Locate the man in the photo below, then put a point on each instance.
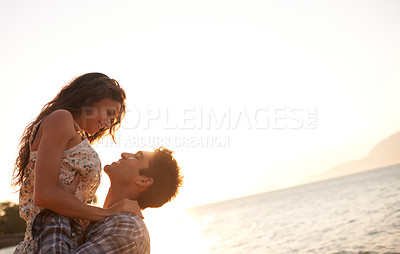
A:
(151, 178)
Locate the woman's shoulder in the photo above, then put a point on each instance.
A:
(63, 113)
(55, 129)
(59, 119)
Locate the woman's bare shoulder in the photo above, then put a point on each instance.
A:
(59, 120)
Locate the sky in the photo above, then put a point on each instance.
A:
(252, 96)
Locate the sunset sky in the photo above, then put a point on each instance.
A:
(251, 95)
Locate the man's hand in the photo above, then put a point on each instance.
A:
(72, 187)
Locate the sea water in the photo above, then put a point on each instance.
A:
(358, 213)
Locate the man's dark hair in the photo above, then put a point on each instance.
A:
(167, 179)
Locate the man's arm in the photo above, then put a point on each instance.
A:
(120, 233)
(53, 233)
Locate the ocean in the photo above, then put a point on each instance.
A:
(358, 213)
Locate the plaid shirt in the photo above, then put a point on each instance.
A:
(120, 233)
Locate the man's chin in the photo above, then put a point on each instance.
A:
(107, 168)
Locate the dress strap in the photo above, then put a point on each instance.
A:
(34, 133)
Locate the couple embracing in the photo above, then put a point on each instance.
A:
(58, 173)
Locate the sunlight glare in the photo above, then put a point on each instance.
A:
(173, 230)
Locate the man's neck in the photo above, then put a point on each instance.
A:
(114, 195)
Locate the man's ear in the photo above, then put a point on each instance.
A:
(144, 181)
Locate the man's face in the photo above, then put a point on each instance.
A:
(126, 170)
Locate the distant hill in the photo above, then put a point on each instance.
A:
(385, 153)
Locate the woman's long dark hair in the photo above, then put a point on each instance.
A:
(81, 92)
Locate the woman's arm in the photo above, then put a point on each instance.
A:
(57, 130)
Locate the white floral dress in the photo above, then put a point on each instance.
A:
(81, 159)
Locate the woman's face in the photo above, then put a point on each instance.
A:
(100, 115)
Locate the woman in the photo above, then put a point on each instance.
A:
(55, 151)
